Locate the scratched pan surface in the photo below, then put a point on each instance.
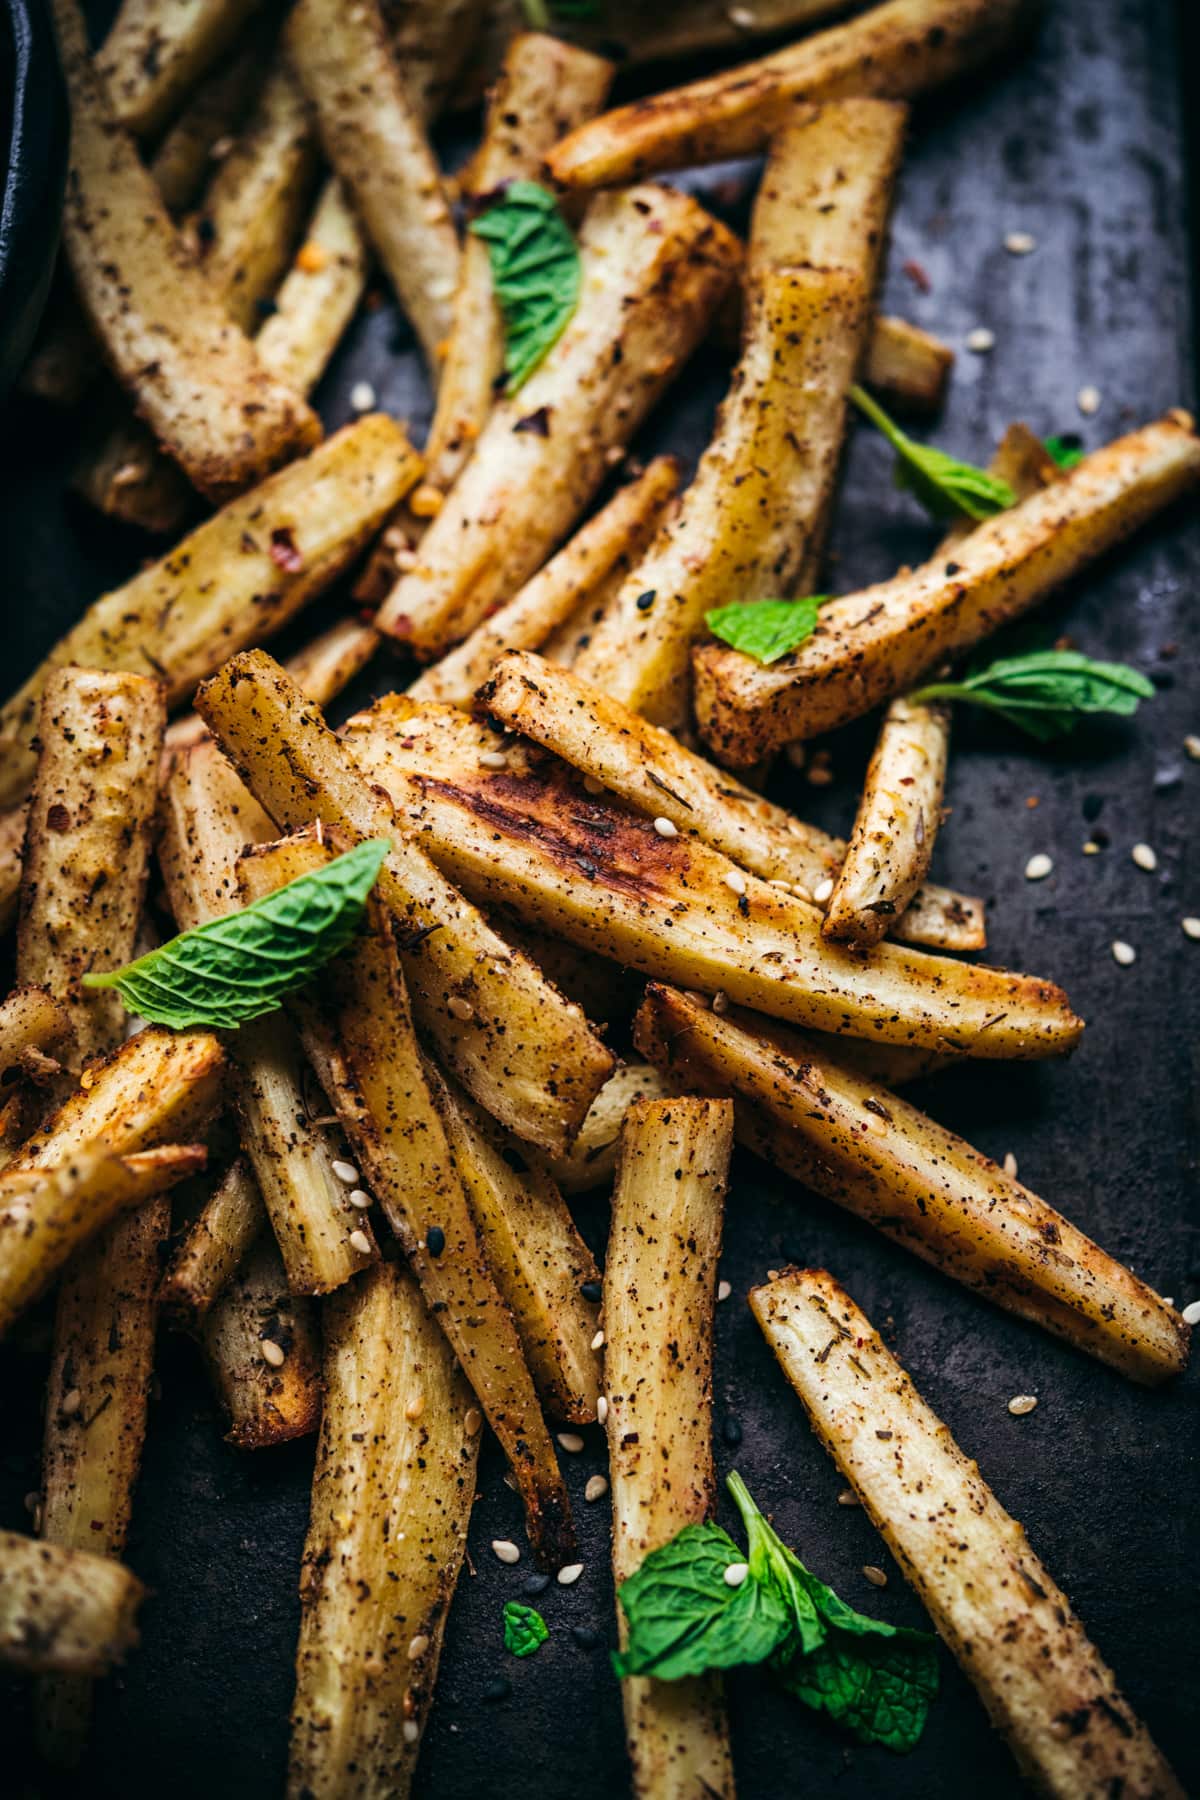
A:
(1081, 144)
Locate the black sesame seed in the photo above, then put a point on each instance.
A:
(435, 1240)
(731, 1431)
(645, 601)
(591, 1290)
(499, 1689)
(586, 1636)
(535, 1584)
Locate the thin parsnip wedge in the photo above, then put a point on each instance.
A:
(897, 50)
(358, 1032)
(377, 145)
(431, 40)
(192, 375)
(578, 579)
(237, 578)
(213, 113)
(908, 366)
(654, 265)
(391, 1501)
(32, 1020)
(592, 1159)
(864, 1148)
(156, 51)
(659, 1288)
(218, 1239)
(319, 295)
(648, 768)
(263, 1351)
(529, 838)
(877, 643)
(526, 1054)
(994, 1603)
(326, 665)
(62, 1610)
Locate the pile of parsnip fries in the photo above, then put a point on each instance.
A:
(379, 1249)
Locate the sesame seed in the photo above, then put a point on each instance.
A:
(1038, 867)
(1020, 1404)
(472, 1421)
(772, 1274)
(533, 1585)
(272, 1353)
(1123, 953)
(345, 1172)
(1191, 1313)
(571, 1442)
(1144, 857)
(666, 827)
(596, 1488)
(823, 890)
(981, 340)
(724, 1289)
(1191, 928)
(460, 1008)
(592, 1290)
(1088, 400)
(598, 1341)
(73, 1400)
(736, 880)
(1091, 848)
(736, 1573)
(417, 1646)
(415, 1407)
(505, 1550)
(1010, 1163)
(497, 1689)
(848, 1497)
(875, 1576)
(570, 1574)
(362, 397)
(435, 1240)
(361, 1242)
(426, 501)
(741, 16)
(601, 1410)
(360, 1198)
(1191, 744)
(412, 1731)
(720, 1002)
(493, 759)
(592, 786)
(587, 1637)
(1020, 243)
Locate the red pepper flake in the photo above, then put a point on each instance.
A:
(284, 551)
(57, 817)
(918, 275)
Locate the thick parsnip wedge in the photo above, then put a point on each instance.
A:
(897, 50)
(63, 1611)
(580, 577)
(592, 1159)
(216, 1242)
(263, 1351)
(877, 643)
(908, 366)
(659, 1288)
(377, 145)
(431, 40)
(534, 841)
(212, 114)
(237, 578)
(32, 1021)
(319, 295)
(364, 1050)
(751, 523)
(525, 1053)
(994, 1603)
(88, 842)
(648, 768)
(47, 1214)
(156, 51)
(539, 1260)
(391, 1501)
(864, 1148)
(654, 266)
(193, 376)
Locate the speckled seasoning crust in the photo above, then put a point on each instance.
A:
(263, 1349)
(63, 1611)
(207, 1256)
(154, 52)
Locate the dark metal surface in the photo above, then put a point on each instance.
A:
(1079, 144)
(33, 126)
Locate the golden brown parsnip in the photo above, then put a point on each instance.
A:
(591, 1161)
(213, 113)
(263, 1351)
(871, 1152)
(908, 366)
(431, 40)
(32, 1020)
(156, 51)
(331, 660)
(319, 295)
(216, 1242)
(659, 1289)
(62, 1610)
(994, 1603)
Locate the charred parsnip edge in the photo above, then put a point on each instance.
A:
(263, 1350)
(64, 1611)
(214, 1244)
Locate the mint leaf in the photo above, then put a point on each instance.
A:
(944, 486)
(766, 629)
(1047, 692)
(535, 273)
(1065, 451)
(525, 1629)
(240, 966)
(685, 1618)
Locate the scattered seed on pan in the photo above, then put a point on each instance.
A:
(1088, 400)
(591, 1290)
(569, 1574)
(598, 1341)
(535, 1585)
(1191, 1313)
(1123, 953)
(1010, 1163)
(361, 1242)
(506, 1550)
(731, 1431)
(497, 1689)
(1091, 848)
(362, 397)
(736, 1573)
(1191, 744)
(666, 828)
(360, 1198)
(736, 880)
(1020, 243)
(1038, 867)
(823, 890)
(724, 1289)
(346, 1171)
(847, 1497)
(1191, 927)
(272, 1353)
(571, 1442)
(596, 1488)
(875, 1576)
(601, 1409)
(981, 340)
(460, 1008)
(1020, 1404)
(587, 1637)
(435, 1240)
(1144, 857)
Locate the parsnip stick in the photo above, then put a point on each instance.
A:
(897, 50)
(996, 1605)
(217, 1241)
(601, 550)
(329, 663)
(32, 1020)
(212, 114)
(651, 770)
(659, 1288)
(193, 376)
(392, 1494)
(592, 1159)
(908, 366)
(873, 1153)
(238, 577)
(877, 643)
(376, 144)
(319, 296)
(431, 40)
(63, 1610)
(519, 1048)
(654, 266)
(156, 50)
(534, 841)
(263, 1351)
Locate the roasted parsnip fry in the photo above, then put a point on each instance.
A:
(377, 145)
(217, 1241)
(364, 1050)
(32, 1020)
(522, 1051)
(654, 266)
(193, 376)
(63, 1610)
(263, 1351)
(636, 35)
(537, 1257)
(897, 50)
(431, 40)
(600, 552)
(649, 768)
(592, 1159)
(391, 1501)
(876, 1155)
(46, 1214)
(908, 366)
(211, 115)
(535, 842)
(156, 50)
(88, 842)
(318, 298)
(659, 1288)
(877, 643)
(322, 668)
(996, 1605)
(238, 577)
(12, 843)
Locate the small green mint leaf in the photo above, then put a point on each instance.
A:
(535, 273)
(946, 487)
(525, 1630)
(880, 1688)
(1065, 451)
(766, 629)
(1046, 692)
(683, 1616)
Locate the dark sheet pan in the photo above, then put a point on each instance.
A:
(1081, 144)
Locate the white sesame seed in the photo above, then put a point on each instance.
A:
(848, 1497)
(505, 1550)
(569, 1574)
(666, 828)
(345, 1172)
(596, 1488)
(73, 1400)
(772, 1274)
(1038, 867)
(359, 1197)
(736, 880)
(272, 1353)
(601, 1409)
(598, 1341)
(417, 1646)
(981, 340)
(736, 1573)
(493, 759)
(1123, 953)
(1191, 744)
(1010, 1163)
(415, 1407)
(362, 397)
(472, 1421)
(741, 16)
(875, 1576)
(460, 1008)
(724, 1289)
(823, 890)
(1145, 858)
(1191, 927)
(1091, 848)
(571, 1442)
(361, 1242)
(720, 1002)
(1020, 1404)
(1088, 401)
(592, 786)
(412, 1731)
(1191, 1313)
(1020, 243)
